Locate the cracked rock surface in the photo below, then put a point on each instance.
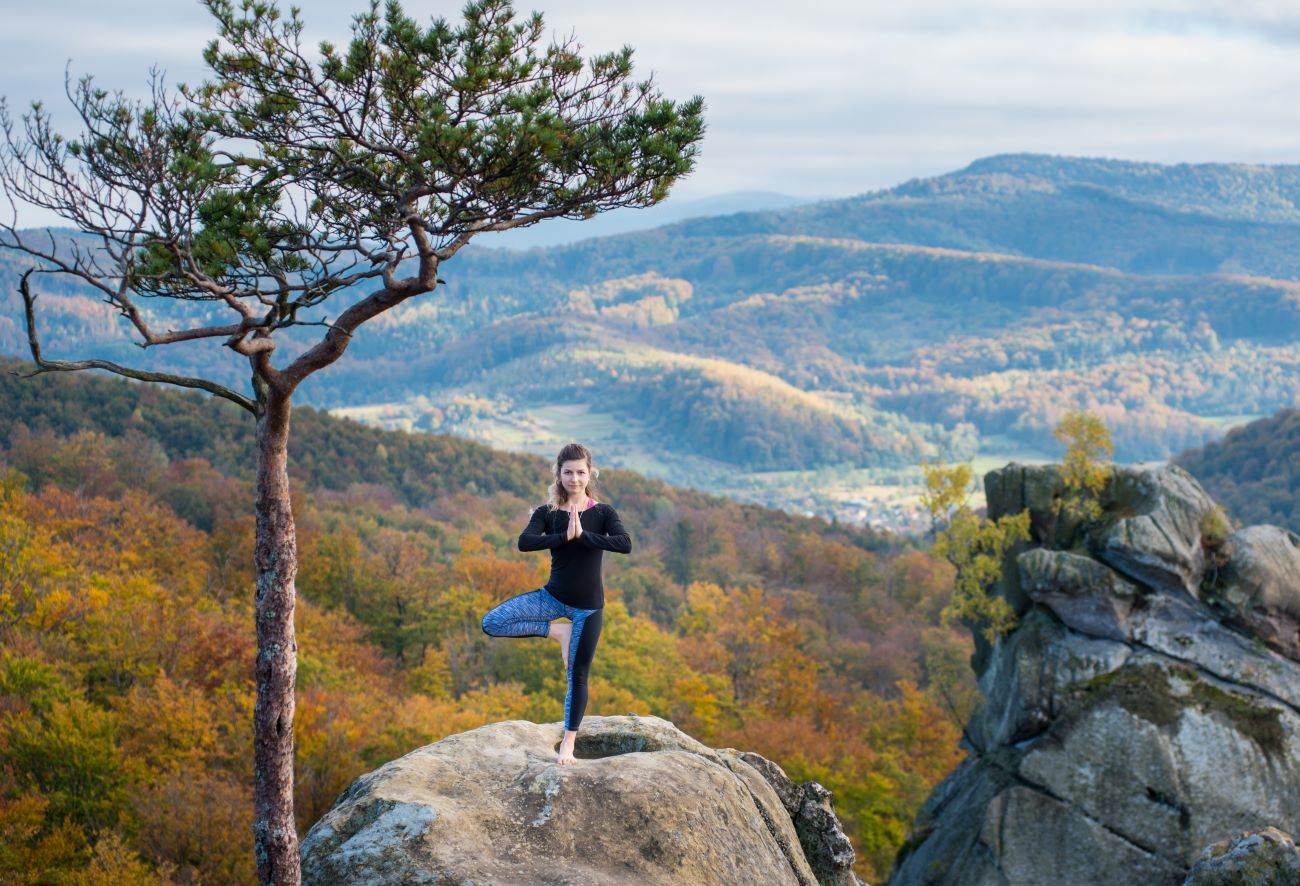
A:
(645, 804)
(1146, 705)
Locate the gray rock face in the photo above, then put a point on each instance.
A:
(1151, 530)
(1012, 489)
(1266, 858)
(1083, 593)
(1028, 684)
(1260, 587)
(1124, 725)
(1160, 544)
(824, 843)
(645, 803)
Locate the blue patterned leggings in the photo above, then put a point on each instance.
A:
(530, 615)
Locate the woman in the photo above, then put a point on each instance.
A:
(577, 530)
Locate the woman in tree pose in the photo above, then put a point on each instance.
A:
(577, 530)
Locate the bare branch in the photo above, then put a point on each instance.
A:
(43, 365)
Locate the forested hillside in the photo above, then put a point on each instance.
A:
(126, 629)
(1254, 471)
(950, 317)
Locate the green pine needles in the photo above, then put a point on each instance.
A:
(294, 172)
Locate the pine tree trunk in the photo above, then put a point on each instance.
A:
(276, 557)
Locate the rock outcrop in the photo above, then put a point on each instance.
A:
(1268, 858)
(1147, 703)
(1259, 590)
(644, 804)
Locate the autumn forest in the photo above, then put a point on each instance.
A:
(125, 684)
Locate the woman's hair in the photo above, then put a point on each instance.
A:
(557, 496)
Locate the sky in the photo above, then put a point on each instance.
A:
(828, 98)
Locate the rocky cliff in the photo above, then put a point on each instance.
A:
(645, 804)
(1146, 706)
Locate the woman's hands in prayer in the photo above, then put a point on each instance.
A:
(575, 523)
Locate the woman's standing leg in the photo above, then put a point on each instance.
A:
(582, 648)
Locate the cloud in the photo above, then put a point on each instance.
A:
(830, 97)
(1277, 22)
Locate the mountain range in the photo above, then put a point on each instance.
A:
(811, 356)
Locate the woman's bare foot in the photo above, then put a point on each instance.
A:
(562, 631)
(566, 749)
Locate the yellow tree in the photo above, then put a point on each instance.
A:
(743, 633)
(974, 546)
(1085, 469)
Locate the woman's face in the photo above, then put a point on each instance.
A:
(574, 476)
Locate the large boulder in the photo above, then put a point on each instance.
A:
(1136, 773)
(1259, 589)
(824, 843)
(1007, 492)
(1150, 531)
(1124, 725)
(1036, 488)
(645, 803)
(1084, 594)
(1155, 536)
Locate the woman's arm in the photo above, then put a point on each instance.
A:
(535, 537)
(615, 537)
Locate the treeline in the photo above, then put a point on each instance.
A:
(325, 452)
(1254, 471)
(126, 683)
(1154, 403)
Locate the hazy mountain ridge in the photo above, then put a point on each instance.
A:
(930, 334)
(1250, 192)
(1201, 218)
(557, 232)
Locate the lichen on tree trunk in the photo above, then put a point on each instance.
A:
(276, 558)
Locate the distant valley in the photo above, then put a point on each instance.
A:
(811, 357)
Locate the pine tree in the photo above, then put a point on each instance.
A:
(286, 184)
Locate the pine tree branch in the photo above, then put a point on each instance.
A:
(43, 365)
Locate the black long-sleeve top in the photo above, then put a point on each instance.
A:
(576, 565)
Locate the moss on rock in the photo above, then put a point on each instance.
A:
(1262, 725)
(1145, 691)
(1142, 690)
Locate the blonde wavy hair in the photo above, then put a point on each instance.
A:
(556, 495)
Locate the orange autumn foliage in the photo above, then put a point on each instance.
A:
(127, 629)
